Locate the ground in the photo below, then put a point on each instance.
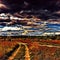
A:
(30, 49)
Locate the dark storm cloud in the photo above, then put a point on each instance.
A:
(25, 4)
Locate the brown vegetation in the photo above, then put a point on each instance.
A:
(38, 48)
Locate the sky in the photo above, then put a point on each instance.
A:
(27, 4)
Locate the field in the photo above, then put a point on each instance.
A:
(29, 49)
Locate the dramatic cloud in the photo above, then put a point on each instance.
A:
(21, 4)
